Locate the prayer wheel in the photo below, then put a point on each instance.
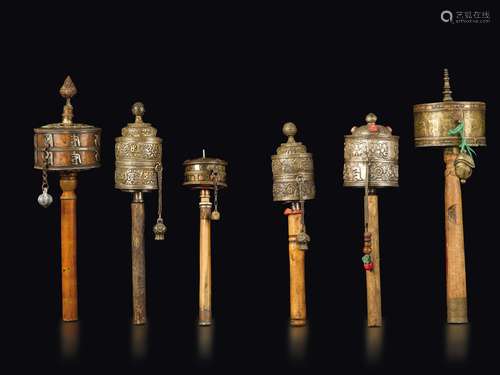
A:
(293, 184)
(206, 174)
(68, 148)
(455, 126)
(139, 169)
(370, 162)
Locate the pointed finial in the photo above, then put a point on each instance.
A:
(447, 88)
(289, 129)
(67, 91)
(138, 111)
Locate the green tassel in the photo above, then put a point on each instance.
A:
(464, 147)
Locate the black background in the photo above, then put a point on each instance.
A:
(226, 79)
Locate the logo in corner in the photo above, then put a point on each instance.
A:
(447, 16)
(456, 17)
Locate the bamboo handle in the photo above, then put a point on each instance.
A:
(456, 289)
(205, 303)
(373, 294)
(138, 261)
(297, 274)
(68, 183)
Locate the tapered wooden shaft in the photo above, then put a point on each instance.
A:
(297, 276)
(205, 303)
(373, 295)
(456, 289)
(68, 183)
(138, 261)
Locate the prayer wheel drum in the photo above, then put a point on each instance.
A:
(292, 164)
(69, 148)
(433, 121)
(138, 155)
(205, 173)
(374, 144)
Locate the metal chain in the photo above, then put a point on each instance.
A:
(302, 237)
(302, 205)
(159, 229)
(45, 162)
(216, 190)
(45, 199)
(215, 215)
(159, 174)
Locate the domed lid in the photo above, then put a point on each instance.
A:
(371, 129)
(138, 128)
(67, 91)
(291, 146)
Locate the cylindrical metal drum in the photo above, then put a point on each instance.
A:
(433, 121)
(138, 155)
(205, 173)
(374, 147)
(293, 170)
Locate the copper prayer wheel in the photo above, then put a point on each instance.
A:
(68, 148)
(456, 126)
(371, 161)
(293, 184)
(138, 154)
(206, 174)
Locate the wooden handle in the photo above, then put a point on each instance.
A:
(138, 261)
(373, 294)
(68, 183)
(456, 289)
(297, 273)
(205, 303)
